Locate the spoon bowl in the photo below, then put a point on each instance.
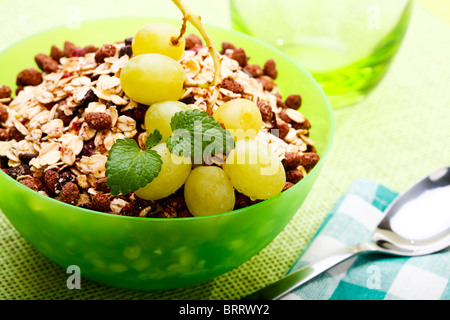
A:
(416, 223)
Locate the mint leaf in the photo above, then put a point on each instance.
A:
(153, 139)
(129, 168)
(197, 134)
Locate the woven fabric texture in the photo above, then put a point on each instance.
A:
(374, 276)
(396, 136)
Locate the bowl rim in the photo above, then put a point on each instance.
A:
(329, 112)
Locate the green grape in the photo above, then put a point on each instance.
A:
(255, 170)
(159, 115)
(208, 191)
(151, 78)
(241, 117)
(173, 174)
(157, 38)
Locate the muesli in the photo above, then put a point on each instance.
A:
(57, 132)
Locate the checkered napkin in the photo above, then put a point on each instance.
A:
(370, 276)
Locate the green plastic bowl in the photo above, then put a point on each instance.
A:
(142, 253)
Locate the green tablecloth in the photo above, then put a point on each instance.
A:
(397, 135)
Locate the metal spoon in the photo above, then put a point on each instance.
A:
(416, 223)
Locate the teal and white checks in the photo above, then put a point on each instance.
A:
(372, 276)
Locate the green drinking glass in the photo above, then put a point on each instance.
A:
(347, 45)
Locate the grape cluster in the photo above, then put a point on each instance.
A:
(153, 74)
(154, 77)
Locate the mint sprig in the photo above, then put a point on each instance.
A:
(129, 168)
(153, 139)
(196, 134)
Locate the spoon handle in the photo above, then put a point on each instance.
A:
(286, 284)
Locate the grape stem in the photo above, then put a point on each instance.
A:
(175, 40)
(195, 20)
